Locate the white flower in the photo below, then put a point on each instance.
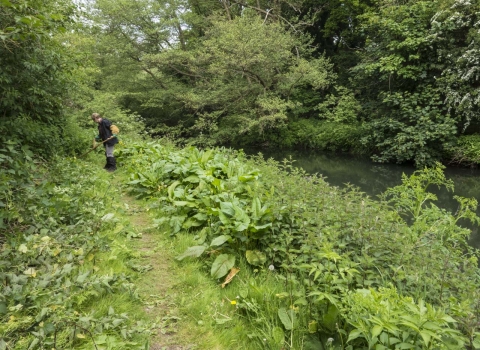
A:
(329, 340)
(271, 267)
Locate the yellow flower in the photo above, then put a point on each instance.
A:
(233, 302)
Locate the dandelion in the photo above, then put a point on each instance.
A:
(271, 267)
(233, 302)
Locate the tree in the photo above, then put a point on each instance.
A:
(242, 74)
(397, 74)
(36, 72)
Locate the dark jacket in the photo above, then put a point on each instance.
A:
(105, 132)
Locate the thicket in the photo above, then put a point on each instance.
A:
(59, 240)
(260, 72)
(353, 273)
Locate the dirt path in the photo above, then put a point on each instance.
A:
(156, 286)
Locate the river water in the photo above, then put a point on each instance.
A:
(374, 178)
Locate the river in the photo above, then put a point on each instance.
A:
(374, 178)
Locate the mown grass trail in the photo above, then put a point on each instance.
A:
(170, 293)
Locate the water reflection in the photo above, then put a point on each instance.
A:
(373, 178)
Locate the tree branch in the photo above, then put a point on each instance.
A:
(269, 12)
(184, 73)
(224, 2)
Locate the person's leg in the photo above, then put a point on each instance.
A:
(111, 162)
(107, 164)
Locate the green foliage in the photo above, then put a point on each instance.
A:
(467, 150)
(52, 227)
(241, 75)
(388, 321)
(33, 70)
(455, 31)
(325, 246)
(418, 130)
(400, 76)
(131, 125)
(36, 77)
(340, 108)
(312, 134)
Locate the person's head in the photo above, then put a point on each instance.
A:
(96, 118)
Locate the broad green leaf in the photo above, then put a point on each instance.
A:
(426, 337)
(192, 179)
(330, 318)
(176, 222)
(225, 219)
(171, 189)
(255, 257)
(256, 208)
(227, 208)
(107, 217)
(354, 335)
(217, 241)
(384, 338)
(261, 227)
(278, 335)
(191, 222)
(376, 330)
(206, 156)
(393, 341)
(222, 264)
(185, 204)
(81, 278)
(246, 178)
(287, 318)
(194, 251)
(449, 319)
(217, 183)
(201, 217)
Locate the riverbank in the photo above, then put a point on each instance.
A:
(331, 254)
(207, 249)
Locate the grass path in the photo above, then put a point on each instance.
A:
(168, 291)
(156, 285)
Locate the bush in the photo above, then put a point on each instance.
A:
(313, 134)
(467, 150)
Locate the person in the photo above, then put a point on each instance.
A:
(105, 134)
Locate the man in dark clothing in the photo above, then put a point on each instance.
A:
(105, 133)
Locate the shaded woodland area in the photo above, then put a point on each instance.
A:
(397, 80)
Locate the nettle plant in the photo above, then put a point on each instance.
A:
(335, 251)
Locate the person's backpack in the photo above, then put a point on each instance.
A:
(114, 129)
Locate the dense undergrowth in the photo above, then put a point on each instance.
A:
(344, 271)
(62, 260)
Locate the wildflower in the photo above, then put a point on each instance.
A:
(233, 302)
(271, 267)
(329, 340)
